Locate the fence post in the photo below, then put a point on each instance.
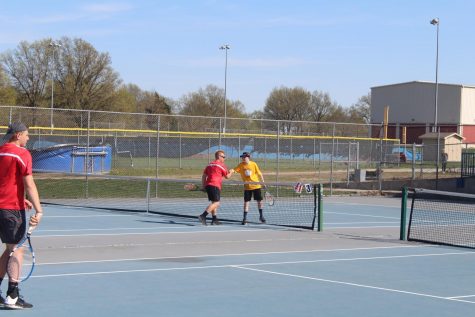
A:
(331, 160)
(357, 155)
(413, 161)
(437, 155)
(87, 152)
(265, 151)
(278, 153)
(157, 152)
(320, 208)
(402, 232)
(179, 165)
(314, 149)
(348, 165)
(219, 133)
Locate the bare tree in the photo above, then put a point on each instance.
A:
(85, 76)
(27, 67)
(210, 102)
(321, 106)
(7, 91)
(362, 109)
(288, 104)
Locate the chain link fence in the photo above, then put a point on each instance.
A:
(174, 146)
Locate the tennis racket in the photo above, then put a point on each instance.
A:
(22, 273)
(269, 198)
(192, 187)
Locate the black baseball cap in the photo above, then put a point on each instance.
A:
(14, 127)
(245, 154)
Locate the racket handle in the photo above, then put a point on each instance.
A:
(30, 229)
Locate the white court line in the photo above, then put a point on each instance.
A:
(356, 222)
(365, 227)
(462, 296)
(359, 204)
(180, 227)
(244, 266)
(144, 233)
(87, 216)
(105, 229)
(353, 214)
(239, 254)
(354, 284)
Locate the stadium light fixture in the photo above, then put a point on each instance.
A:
(435, 22)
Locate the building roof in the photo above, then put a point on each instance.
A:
(424, 82)
(443, 135)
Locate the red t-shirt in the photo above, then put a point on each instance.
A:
(15, 163)
(215, 172)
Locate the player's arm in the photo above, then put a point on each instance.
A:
(229, 174)
(261, 176)
(34, 199)
(203, 180)
(234, 170)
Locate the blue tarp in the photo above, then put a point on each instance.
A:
(73, 158)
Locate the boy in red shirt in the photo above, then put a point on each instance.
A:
(211, 181)
(15, 177)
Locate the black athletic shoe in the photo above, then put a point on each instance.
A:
(2, 300)
(215, 222)
(244, 222)
(16, 303)
(202, 219)
(262, 220)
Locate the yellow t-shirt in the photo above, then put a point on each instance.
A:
(250, 172)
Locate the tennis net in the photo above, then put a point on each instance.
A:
(169, 197)
(442, 218)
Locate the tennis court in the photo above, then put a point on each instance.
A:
(102, 263)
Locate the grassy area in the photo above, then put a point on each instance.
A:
(78, 188)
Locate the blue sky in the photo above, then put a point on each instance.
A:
(341, 47)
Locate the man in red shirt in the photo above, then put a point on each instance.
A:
(15, 177)
(212, 180)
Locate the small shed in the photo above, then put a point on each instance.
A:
(449, 142)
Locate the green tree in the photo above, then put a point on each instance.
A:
(124, 101)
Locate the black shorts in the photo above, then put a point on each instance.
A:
(214, 193)
(255, 192)
(12, 225)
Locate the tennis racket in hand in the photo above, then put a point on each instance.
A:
(20, 268)
(269, 198)
(192, 187)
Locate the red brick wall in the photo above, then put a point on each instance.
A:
(413, 131)
(469, 133)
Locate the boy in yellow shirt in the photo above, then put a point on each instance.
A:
(250, 172)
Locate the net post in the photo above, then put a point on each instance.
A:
(402, 232)
(148, 195)
(320, 207)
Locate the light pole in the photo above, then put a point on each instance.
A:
(53, 45)
(435, 22)
(225, 47)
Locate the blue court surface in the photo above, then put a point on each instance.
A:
(102, 263)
